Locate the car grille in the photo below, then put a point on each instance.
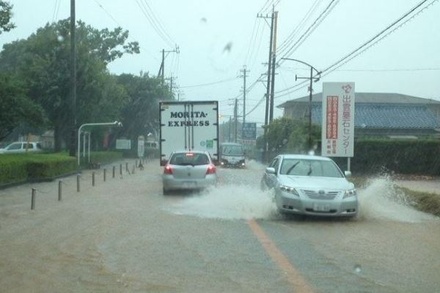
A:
(321, 194)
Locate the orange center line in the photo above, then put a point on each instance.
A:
(292, 274)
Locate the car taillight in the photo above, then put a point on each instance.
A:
(168, 170)
(211, 169)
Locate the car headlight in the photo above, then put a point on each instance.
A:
(350, 192)
(289, 189)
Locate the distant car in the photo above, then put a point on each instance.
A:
(189, 170)
(232, 155)
(21, 147)
(310, 185)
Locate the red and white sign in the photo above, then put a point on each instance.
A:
(338, 119)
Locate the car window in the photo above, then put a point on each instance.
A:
(330, 169)
(275, 164)
(30, 146)
(317, 168)
(194, 159)
(288, 166)
(15, 146)
(176, 159)
(236, 150)
(202, 159)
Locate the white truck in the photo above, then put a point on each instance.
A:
(188, 125)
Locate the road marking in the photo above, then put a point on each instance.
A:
(292, 274)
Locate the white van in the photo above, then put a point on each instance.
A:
(21, 147)
(232, 155)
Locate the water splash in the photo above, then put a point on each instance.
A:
(382, 200)
(228, 202)
(239, 197)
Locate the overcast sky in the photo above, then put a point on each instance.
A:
(217, 38)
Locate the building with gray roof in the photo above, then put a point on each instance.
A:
(378, 114)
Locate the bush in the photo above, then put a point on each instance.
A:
(48, 167)
(20, 168)
(13, 169)
(374, 156)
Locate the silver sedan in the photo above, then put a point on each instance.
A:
(310, 185)
(189, 170)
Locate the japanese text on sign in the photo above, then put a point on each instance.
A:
(338, 119)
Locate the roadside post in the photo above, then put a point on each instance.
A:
(141, 150)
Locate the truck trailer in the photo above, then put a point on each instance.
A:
(188, 125)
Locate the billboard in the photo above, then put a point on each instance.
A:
(249, 131)
(337, 134)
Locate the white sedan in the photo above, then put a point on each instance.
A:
(310, 185)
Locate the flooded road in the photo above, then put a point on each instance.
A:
(123, 235)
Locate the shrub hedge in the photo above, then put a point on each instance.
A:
(13, 169)
(21, 168)
(417, 157)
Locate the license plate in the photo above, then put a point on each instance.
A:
(189, 184)
(321, 207)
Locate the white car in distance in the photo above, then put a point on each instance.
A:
(21, 147)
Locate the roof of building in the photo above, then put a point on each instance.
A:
(382, 115)
(381, 98)
(382, 110)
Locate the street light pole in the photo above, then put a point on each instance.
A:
(92, 124)
(311, 78)
(310, 107)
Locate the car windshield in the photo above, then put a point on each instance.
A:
(234, 150)
(302, 167)
(194, 159)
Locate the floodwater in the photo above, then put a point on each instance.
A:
(123, 235)
(240, 197)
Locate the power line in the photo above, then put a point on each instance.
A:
(56, 10)
(210, 83)
(154, 21)
(365, 46)
(375, 39)
(312, 27)
(392, 70)
(106, 12)
(290, 39)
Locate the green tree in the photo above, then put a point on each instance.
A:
(5, 17)
(43, 62)
(15, 108)
(288, 135)
(140, 115)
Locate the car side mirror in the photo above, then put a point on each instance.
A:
(270, 170)
(347, 173)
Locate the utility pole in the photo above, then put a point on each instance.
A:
(270, 88)
(73, 78)
(245, 71)
(161, 72)
(274, 62)
(235, 120)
